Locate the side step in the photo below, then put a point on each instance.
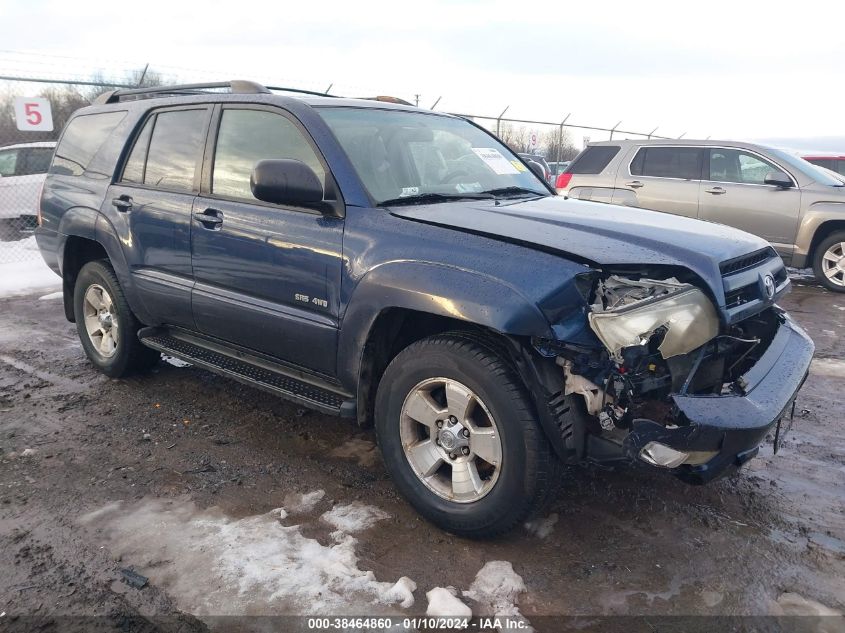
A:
(288, 383)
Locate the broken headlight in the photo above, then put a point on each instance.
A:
(629, 312)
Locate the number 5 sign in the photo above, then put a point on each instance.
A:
(32, 114)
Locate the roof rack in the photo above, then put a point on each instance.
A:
(236, 86)
(239, 86)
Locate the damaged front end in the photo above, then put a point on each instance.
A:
(674, 387)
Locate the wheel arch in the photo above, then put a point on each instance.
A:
(400, 303)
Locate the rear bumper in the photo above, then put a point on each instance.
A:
(733, 426)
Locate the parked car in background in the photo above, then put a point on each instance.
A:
(401, 267)
(798, 207)
(23, 168)
(833, 162)
(557, 168)
(547, 173)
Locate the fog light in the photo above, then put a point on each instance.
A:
(658, 454)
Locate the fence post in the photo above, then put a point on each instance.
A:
(560, 138)
(499, 121)
(613, 129)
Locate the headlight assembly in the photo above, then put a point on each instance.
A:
(629, 312)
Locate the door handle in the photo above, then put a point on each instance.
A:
(122, 203)
(210, 218)
(716, 191)
(634, 184)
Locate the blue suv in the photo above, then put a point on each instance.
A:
(405, 269)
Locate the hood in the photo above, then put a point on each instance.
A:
(598, 234)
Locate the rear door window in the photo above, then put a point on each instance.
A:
(668, 162)
(82, 139)
(174, 151)
(593, 160)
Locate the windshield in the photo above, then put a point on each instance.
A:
(408, 156)
(819, 174)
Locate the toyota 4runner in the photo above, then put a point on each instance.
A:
(405, 269)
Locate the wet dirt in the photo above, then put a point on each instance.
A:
(181, 475)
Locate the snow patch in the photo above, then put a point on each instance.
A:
(443, 602)
(354, 517)
(297, 503)
(542, 528)
(496, 589)
(800, 273)
(832, 367)
(402, 592)
(217, 565)
(793, 604)
(22, 269)
(361, 450)
(52, 295)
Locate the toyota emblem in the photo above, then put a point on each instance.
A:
(769, 286)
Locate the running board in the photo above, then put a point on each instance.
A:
(288, 383)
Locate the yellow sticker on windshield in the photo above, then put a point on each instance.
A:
(518, 165)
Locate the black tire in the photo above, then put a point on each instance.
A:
(129, 354)
(529, 471)
(831, 240)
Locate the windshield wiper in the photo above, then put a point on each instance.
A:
(509, 191)
(423, 198)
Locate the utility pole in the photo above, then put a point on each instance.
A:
(417, 100)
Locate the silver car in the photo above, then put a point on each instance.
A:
(798, 207)
(23, 169)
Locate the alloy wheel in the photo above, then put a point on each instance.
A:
(101, 320)
(450, 440)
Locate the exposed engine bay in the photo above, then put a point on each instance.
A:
(662, 337)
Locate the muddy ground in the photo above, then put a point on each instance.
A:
(179, 475)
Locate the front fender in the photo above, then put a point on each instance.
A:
(811, 221)
(436, 289)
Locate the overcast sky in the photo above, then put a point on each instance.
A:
(742, 70)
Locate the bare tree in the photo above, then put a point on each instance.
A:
(64, 101)
(515, 137)
(558, 147)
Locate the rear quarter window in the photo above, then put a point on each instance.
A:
(82, 139)
(668, 162)
(593, 160)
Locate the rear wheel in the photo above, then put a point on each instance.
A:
(106, 326)
(459, 436)
(829, 262)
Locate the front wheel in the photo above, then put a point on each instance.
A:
(106, 326)
(459, 436)
(829, 262)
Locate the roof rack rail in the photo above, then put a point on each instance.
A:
(236, 86)
(301, 91)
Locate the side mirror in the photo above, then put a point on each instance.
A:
(778, 179)
(285, 181)
(537, 168)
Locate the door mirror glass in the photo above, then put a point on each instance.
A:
(285, 181)
(778, 179)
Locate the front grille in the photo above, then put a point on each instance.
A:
(745, 262)
(742, 278)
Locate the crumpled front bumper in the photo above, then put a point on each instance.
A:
(733, 425)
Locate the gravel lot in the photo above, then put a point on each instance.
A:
(232, 502)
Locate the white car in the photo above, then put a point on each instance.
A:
(23, 168)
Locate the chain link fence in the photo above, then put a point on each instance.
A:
(34, 109)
